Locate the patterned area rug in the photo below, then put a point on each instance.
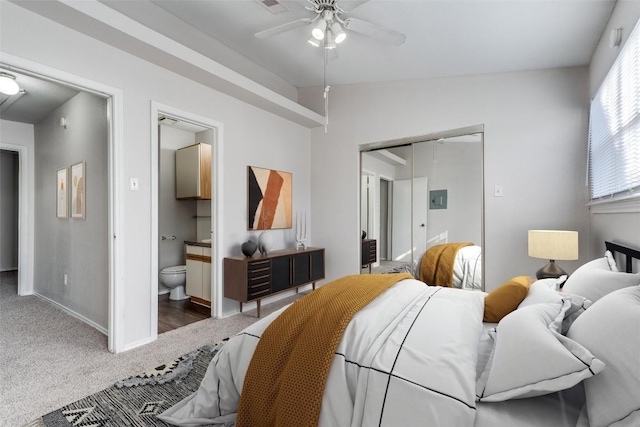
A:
(137, 400)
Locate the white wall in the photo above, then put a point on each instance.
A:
(623, 227)
(535, 133)
(74, 247)
(20, 136)
(251, 137)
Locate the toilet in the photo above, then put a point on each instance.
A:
(174, 278)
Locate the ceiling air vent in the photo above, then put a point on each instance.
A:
(273, 5)
(164, 120)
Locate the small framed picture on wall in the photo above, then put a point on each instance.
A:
(62, 194)
(78, 190)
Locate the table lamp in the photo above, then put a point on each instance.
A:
(553, 245)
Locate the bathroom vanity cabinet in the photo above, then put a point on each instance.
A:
(193, 172)
(199, 274)
(251, 279)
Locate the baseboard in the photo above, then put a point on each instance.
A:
(73, 313)
(136, 344)
(2, 270)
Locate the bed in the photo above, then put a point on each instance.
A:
(524, 354)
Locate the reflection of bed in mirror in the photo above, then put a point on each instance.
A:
(464, 270)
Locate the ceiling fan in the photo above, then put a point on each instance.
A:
(329, 25)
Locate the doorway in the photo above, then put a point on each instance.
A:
(32, 184)
(9, 217)
(185, 225)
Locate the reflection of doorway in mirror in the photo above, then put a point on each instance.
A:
(385, 219)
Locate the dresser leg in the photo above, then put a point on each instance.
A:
(240, 306)
(259, 308)
(313, 286)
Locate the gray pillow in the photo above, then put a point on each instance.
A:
(610, 329)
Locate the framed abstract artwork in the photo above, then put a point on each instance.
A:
(62, 194)
(269, 198)
(78, 191)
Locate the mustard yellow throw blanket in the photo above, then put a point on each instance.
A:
(436, 265)
(287, 374)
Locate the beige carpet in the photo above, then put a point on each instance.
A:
(49, 359)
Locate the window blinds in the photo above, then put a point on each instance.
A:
(614, 127)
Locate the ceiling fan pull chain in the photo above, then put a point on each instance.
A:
(325, 60)
(326, 107)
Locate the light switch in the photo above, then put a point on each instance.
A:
(134, 184)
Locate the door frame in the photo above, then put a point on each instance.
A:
(216, 211)
(26, 236)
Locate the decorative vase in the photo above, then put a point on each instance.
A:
(265, 242)
(249, 248)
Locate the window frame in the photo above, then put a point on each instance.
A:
(626, 200)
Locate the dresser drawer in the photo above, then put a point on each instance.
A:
(258, 291)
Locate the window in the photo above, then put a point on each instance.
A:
(614, 129)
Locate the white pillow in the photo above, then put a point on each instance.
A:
(607, 262)
(593, 284)
(531, 358)
(611, 330)
(540, 292)
(611, 261)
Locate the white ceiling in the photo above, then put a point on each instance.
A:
(39, 98)
(444, 38)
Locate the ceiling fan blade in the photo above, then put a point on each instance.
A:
(375, 31)
(349, 5)
(284, 27)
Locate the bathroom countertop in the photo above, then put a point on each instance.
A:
(194, 243)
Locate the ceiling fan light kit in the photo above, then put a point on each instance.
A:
(330, 18)
(328, 26)
(338, 32)
(313, 41)
(319, 30)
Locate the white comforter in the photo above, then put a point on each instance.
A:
(408, 358)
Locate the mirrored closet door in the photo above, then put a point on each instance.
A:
(421, 192)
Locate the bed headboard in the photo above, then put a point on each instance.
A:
(629, 253)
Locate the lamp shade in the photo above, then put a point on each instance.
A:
(338, 33)
(553, 244)
(319, 29)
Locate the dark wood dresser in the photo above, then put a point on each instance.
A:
(368, 253)
(251, 279)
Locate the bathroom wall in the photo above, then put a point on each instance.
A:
(175, 217)
(8, 210)
(203, 221)
(77, 248)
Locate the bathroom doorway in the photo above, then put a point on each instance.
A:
(185, 242)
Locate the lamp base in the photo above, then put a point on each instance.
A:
(550, 271)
